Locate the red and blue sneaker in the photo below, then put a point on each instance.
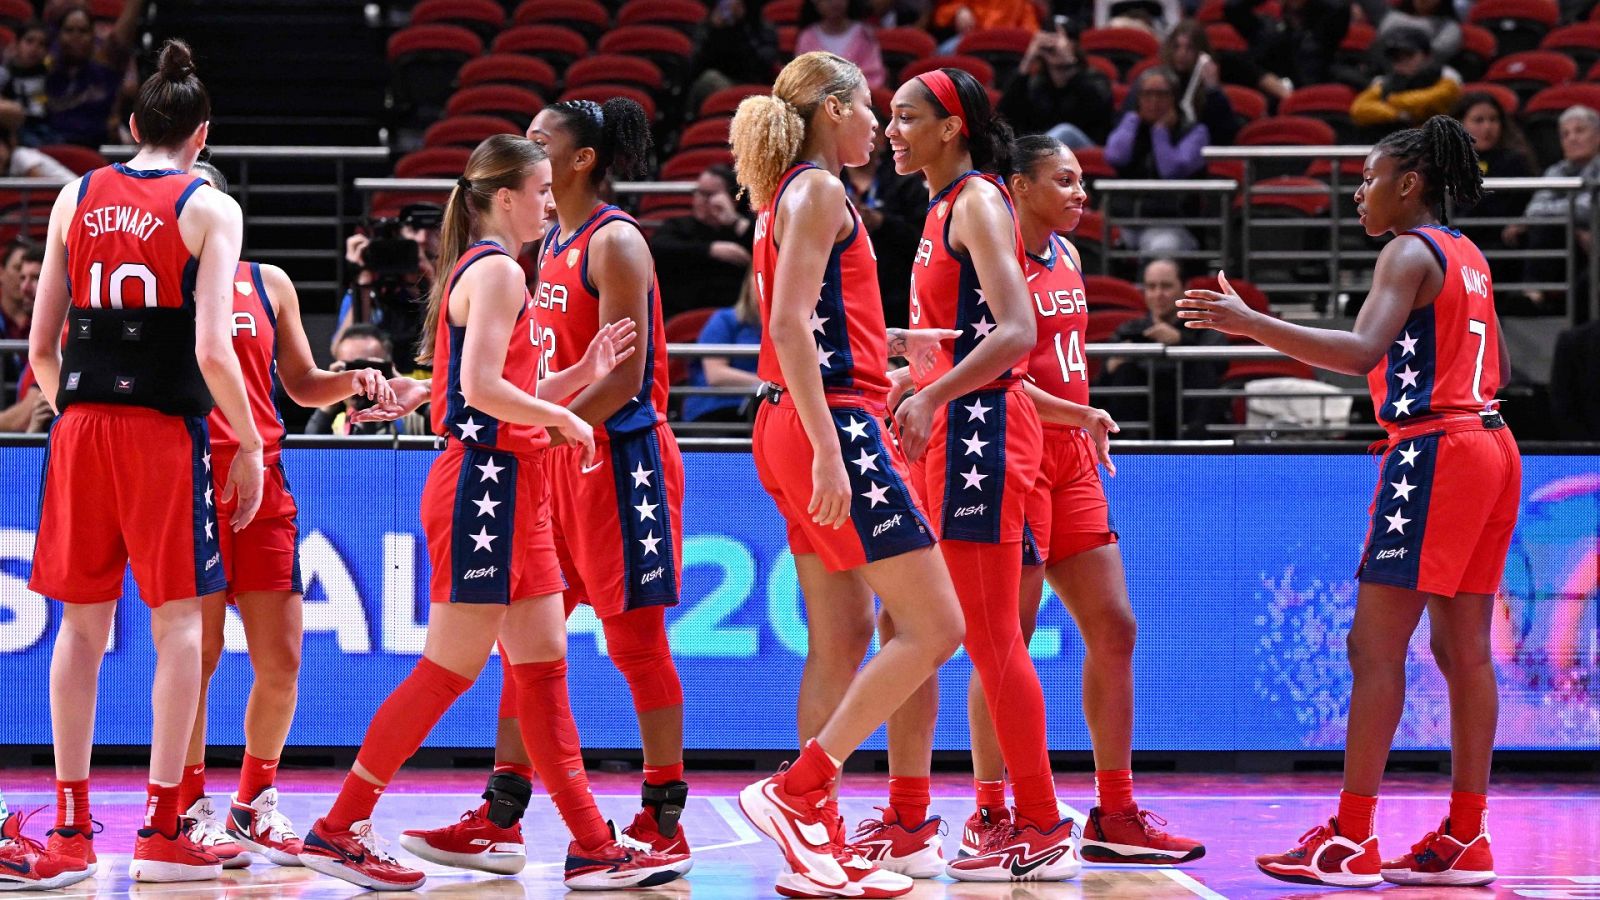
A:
(472, 843)
(75, 843)
(1130, 837)
(1442, 859)
(200, 824)
(801, 826)
(160, 859)
(621, 862)
(259, 827)
(912, 852)
(982, 826)
(1324, 856)
(27, 865)
(357, 855)
(1026, 854)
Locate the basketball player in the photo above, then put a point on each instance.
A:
(147, 254)
(822, 451)
(486, 513)
(976, 436)
(262, 566)
(595, 269)
(1430, 345)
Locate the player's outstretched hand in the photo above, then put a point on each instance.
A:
(577, 432)
(899, 384)
(371, 384)
(914, 420)
(612, 344)
(830, 491)
(244, 483)
(1223, 312)
(404, 396)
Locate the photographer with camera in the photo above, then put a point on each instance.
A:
(1054, 92)
(363, 346)
(396, 258)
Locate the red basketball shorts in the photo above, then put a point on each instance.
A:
(1444, 509)
(619, 522)
(981, 466)
(265, 556)
(486, 515)
(127, 484)
(886, 518)
(1067, 510)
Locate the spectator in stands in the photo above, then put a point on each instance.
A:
(1156, 140)
(1163, 285)
(954, 18)
(1503, 152)
(1296, 49)
(1575, 383)
(1435, 18)
(736, 324)
(114, 40)
(1187, 53)
(22, 87)
(701, 258)
(1416, 87)
(837, 27)
(363, 346)
(736, 45)
(82, 94)
(19, 285)
(26, 162)
(893, 208)
(1055, 92)
(1580, 157)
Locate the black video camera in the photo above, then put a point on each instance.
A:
(390, 254)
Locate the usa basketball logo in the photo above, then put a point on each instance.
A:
(572, 257)
(942, 208)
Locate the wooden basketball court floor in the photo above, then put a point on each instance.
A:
(1546, 835)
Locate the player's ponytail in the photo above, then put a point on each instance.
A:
(1441, 152)
(618, 132)
(501, 161)
(172, 103)
(1028, 151)
(988, 134)
(768, 132)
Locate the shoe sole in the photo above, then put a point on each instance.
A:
(242, 861)
(1105, 852)
(1045, 873)
(334, 868)
(1451, 878)
(65, 879)
(1327, 879)
(609, 881)
(272, 855)
(911, 866)
(156, 872)
(791, 885)
(493, 863)
(754, 804)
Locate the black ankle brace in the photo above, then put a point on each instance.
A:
(508, 794)
(665, 802)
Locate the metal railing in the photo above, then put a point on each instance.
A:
(1219, 190)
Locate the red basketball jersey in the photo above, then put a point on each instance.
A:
(255, 341)
(852, 345)
(567, 316)
(945, 292)
(1447, 357)
(1062, 312)
(452, 417)
(124, 250)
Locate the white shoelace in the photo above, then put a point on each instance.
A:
(370, 842)
(628, 842)
(275, 825)
(205, 831)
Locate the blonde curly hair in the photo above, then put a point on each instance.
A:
(768, 132)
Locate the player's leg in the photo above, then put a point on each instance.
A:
(274, 628)
(74, 678)
(904, 838)
(199, 819)
(636, 641)
(838, 636)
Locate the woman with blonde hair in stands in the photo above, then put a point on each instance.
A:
(823, 452)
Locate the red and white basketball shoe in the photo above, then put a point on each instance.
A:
(620, 863)
(862, 879)
(802, 828)
(1441, 859)
(357, 856)
(984, 825)
(646, 830)
(200, 824)
(1129, 837)
(1026, 854)
(472, 843)
(912, 852)
(161, 859)
(1324, 856)
(259, 827)
(27, 865)
(75, 844)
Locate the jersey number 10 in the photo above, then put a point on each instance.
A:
(119, 275)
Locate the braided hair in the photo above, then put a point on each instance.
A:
(618, 131)
(1441, 152)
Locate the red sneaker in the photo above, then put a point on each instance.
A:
(161, 859)
(862, 879)
(801, 827)
(1130, 838)
(357, 856)
(1026, 854)
(620, 863)
(1441, 859)
(27, 865)
(982, 826)
(912, 852)
(75, 844)
(1324, 856)
(472, 843)
(200, 824)
(258, 827)
(646, 830)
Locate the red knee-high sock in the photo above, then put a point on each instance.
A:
(1356, 812)
(636, 641)
(72, 805)
(659, 775)
(192, 787)
(544, 713)
(813, 770)
(988, 578)
(256, 775)
(990, 794)
(508, 688)
(1469, 814)
(1113, 790)
(909, 799)
(161, 808)
(397, 730)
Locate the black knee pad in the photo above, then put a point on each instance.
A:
(508, 794)
(665, 802)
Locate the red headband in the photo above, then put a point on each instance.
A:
(944, 90)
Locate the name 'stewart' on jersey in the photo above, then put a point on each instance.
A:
(130, 219)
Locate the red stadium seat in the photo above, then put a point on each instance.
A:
(669, 49)
(1210, 11)
(612, 68)
(105, 10)
(1349, 170)
(1119, 94)
(1329, 103)
(423, 61)
(1248, 292)
(513, 69)
(1105, 322)
(587, 17)
(78, 159)
(1001, 48)
(37, 226)
(1093, 162)
(16, 13)
(1248, 103)
(688, 165)
(558, 46)
(1123, 46)
(1225, 168)
(1358, 38)
(705, 133)
(1141, 67)
(1594, 71)
(1243, 370)
(664, 206)
(1507, 97)
(1581, 42)
(1105, 67)
(1298, 131)
(1090, 242)
(1518, 25)
(484, 18)
(788, 39)
(450, 40)
(1478, 50)
(973, 66)
(514, 103)
(1355, 51)
(1105, 292)
(600, 93)
(433, 162)
(725, 102)
(682, 15)
(1307, 204)
(685, 328)
(901, 46)
(1531, 72)
(1540, 115)
(1224, 39)
(781, 12)
(468, 131)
